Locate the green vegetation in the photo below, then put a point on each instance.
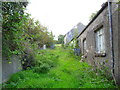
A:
(58, 68)
(20, 33)
(58, 45)
(92, 15)
(60, 39)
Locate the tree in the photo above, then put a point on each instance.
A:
(75, 34)
(22, 35)
(60, 39)
(119, 3)
(13, 17)
(92, 15)
(20, 32)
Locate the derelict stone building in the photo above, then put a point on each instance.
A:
(99, 42)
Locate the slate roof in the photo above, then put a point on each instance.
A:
(70, 35)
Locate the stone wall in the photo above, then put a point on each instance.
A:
(10, 66)
(118, 46)
(102, 20)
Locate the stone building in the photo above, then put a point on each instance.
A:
(100, 40)
(75, 31)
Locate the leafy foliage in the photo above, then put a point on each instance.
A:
(21, 34)
(13, 17)
(60, 39)
(69, 73)
(118, 4)
(92, 15)
(44, 61)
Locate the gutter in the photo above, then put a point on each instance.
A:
(108, 3)
(111, 36)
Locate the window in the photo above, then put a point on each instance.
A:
(100, 43)
(84, 46)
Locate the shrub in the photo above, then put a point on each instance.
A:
(44, 61)
(42, 68)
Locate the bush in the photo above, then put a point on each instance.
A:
(44, 61)
(27, 61)
(42, 68)
(69, 73)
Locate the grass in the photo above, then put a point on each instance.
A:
(58, 45)
(67, 73)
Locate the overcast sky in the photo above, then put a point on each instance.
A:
(60, 16)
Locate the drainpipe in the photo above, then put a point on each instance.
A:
(111, 35)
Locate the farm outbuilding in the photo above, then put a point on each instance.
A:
(99, 41)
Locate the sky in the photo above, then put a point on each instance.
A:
(60, 16)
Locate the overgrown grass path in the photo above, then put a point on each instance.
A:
(68, 72)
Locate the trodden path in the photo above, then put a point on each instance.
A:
(68, 73)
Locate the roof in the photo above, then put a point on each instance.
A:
(80, 27)
(103, 7)
(71, 34)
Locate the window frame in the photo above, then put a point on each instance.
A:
(84, 45)
(100, 40)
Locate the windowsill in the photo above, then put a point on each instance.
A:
(100, 54)
(85, 55)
